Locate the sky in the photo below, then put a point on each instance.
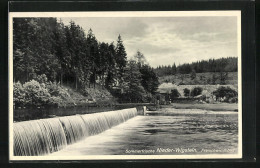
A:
(167, 40)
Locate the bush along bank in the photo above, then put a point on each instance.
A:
(41, 93)
(198, 94)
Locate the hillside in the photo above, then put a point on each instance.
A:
(91, 95)
(207, 89)
(228, 64)
(43, 93)
(200, 79)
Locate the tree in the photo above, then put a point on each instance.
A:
(18, 94)
(111, 74)
(213, 79)
(139, 58)
(149, 79)
(24, 34)
(182, 78)
(121, 59)
(34, 48)
(133, 90)
(212, 65)
(193, 74)
(186, 92)
(103, 62)
(174, 94)
(184, 69)
(209, 81)
(48, 63)
(61, 49)
(174, 69)
(35, 94)
(196, 91)
(225, 93)
(223, 77)
(92, 45)
(77, 52)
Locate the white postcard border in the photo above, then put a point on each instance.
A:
(236, 13)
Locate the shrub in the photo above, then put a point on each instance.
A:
(214, 79)
(84, 91)
(186, 92)
(174, 93)
(35, 94)
(41, 78)
(226, 94)
(223, 77)
(53, 89)
(193, 74)
(233, 100)
(196, 91)
(208, 81)
(57, 91)
(40, 92)
(18, 95)
(56, 102)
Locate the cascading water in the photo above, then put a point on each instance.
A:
(41, 137)
(38, 137)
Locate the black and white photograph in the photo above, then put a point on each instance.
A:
(125, 85)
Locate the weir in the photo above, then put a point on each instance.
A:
(44, 136)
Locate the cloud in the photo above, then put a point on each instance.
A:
(168, 40)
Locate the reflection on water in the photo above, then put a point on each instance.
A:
(176, 132)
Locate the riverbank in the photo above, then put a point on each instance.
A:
(192, 109)
(25, 114)
(211, 107)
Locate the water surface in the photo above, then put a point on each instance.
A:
(172, 131)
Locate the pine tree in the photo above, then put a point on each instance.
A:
(149, 79)
(60, 49)
(23, 37)
(43, 47)
(103, 62)
(121, 59)
(111, 74)
(139, 58)
(92, 45)
(174, 69)
(133, 90)
(34, 48)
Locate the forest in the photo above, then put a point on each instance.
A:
(64, 55)
(228, 64)
(49, 57)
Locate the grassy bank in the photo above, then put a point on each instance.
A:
(191, 105)
(211, 107)
(207, 89)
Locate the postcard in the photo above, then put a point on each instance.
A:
(125, 85)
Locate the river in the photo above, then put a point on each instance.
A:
(168, 132)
